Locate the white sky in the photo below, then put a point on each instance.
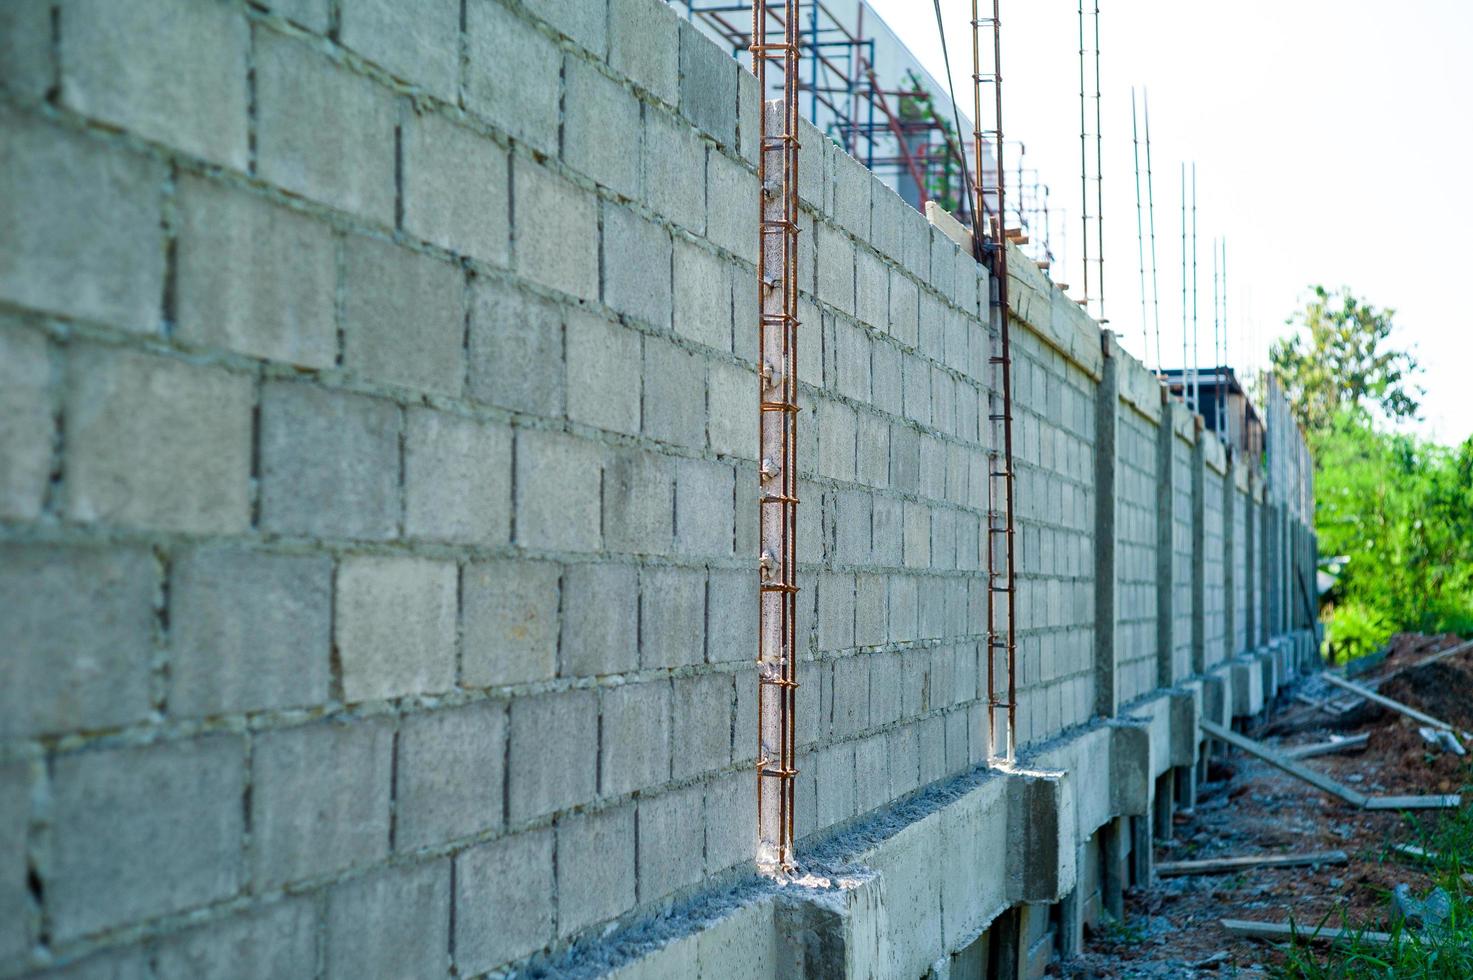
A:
(1332, 143)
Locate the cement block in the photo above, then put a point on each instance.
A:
(904, 309)
(601, 127)
(78, 627)
(419, 44)
(600, 610)
(393, 922)
(731, 406)
(555, 239)
(556, 491)
(731, 199)
(634, 737)
(18, 917)
(731, 615)
(456, 187)
(674, 170)
(708, 85)
(836, 602)
(675, 394)
(701, 723)
(403, 317)
(636, 266)
(308, 819)
(638, 505)
(595, 868)
(702, 297)
(916, 372)
(449, 775)
(516, 350)
(836, 789)
(837, 425)
(26, 424)
(705, 495)
(644, 46)
(26, 70)
(395, 626)
(509, 622)
(852, 360)
(130, 963)
(254, 278)
(495, 924)
(603, 372)
(749, 99)
(553, 756)
(329, 462)
(731, 821)
(276, 940)
(311, 14)
(851, 190)
(872, 290)
(170, 71)
(585, 22)
(153, 442)
(672, 616)
(671, 842)
(142, 832)
(336, 148)
(248, 631)
(457, 479)
(835, 268)
(513, 76)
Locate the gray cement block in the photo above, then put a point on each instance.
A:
(836, 789)
(311, 14)
(836, 423)
(675, 394)
(309, 819)
(449, 781)
(555, 238)
(495, 924)
(701, 723)
(329, 462)
(634, 737)
(509, 622)
(557, 491)
(731, 820)
(835, 611)
(418, 44)
(708, 85)
(748, 106)
(672, 616)
(393, 923)
(731, 200)
(141, 832)
(254, 278)
(78, 627)
(457, 479)
(171, 71)
(671, 842)
(584, 22)
(553, 755)
(456, 189)
(595, 868)
(18, 916)
(512, 75)
(731, 615)
(636, 266)
(601, 128)
(603, 371)
(703, 297)
(871, 290)
(644, 46)
(638, 503)
(395, 626)
(128, 963)
(904, 309)
(835, 268)
(277, 940)
(248, 631)
(403, 317)
(600, 620)
(26, 425)
(26, 70)
(731, 408)
(851, 191)
(674, 170)
(153, 442)
(516, 350)
(336, 148)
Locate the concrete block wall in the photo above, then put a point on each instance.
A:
(1214, 554)
(377, 516)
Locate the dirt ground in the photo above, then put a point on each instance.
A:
(1248, 807)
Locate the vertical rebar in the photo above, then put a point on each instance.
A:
(1196, 377)
(777, 328)
(1140, 233)
(1185, 382)
(1226, 365)
(1216, 342)
(1083, 161)
(1099, 177)
(1151, 211)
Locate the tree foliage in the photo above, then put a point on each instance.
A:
(1338, 358)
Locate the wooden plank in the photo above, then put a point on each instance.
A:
(1282, 930)
(1351, 743)
(1209, 866)
(1449, 802)
(1386, 702)
(1278, 761)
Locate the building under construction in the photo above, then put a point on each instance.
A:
(495, 489)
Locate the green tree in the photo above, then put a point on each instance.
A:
(1338, 358)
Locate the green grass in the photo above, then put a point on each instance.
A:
(1412, 952)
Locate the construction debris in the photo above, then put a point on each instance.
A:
(1285, 930)
(1336, 744)
(1209, 866)
(1386, 702)
(1442, 739)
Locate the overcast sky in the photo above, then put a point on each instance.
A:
(1332, 143)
